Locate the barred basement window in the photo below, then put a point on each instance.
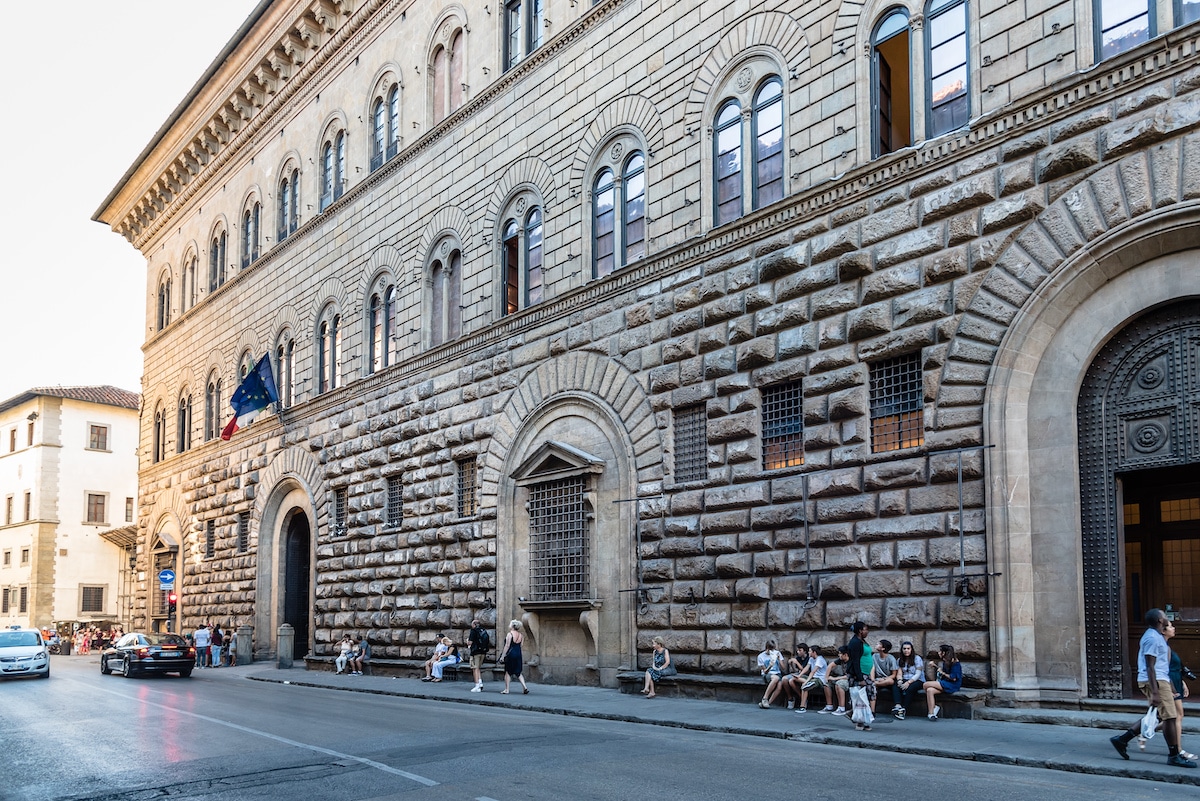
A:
(395, 502)
(783, 426)
(559, 545)
(4, 601)
(468, 497)
(91, 599)
(691, 443)
(243, 532)
(339, 512)
(897, 404)
(210, 539)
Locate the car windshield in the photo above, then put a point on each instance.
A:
(172, 640)
(10, 639)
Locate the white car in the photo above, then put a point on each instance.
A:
(23, 653)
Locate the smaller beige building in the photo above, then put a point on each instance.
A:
(68, 484)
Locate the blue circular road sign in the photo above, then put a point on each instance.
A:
(166, 577)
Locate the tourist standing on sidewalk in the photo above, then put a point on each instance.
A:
(231, 648)
(660, 665)
(202, 639)
(480, 643)
(912, 679)
(1154, 664)
(948, 679)
(216, 641)
(511, 656)
(861, 665)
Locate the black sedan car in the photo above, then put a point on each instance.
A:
(152, 652)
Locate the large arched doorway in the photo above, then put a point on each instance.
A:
(1139, 450)
(297, 580)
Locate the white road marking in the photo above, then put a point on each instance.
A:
(361, 760)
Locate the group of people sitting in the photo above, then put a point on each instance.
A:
(352, 654)
(856, 664)
(859, 664)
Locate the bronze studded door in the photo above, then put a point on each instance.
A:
(298, 565)
(1139, 410)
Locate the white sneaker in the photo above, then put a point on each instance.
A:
(791, 705)
(937, 710)
(825, 711)
(841, 710)
(478, 688)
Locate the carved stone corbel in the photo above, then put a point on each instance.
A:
(589, 621)
(533, 630)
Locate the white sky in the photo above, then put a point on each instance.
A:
(83, 95)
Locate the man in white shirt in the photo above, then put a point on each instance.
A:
(817, 668)
(1153, 664)
(202, 640)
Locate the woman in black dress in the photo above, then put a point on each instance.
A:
(511, 656)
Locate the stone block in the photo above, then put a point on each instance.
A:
(963, 195)
(844, 509)
(1012, 211)
(868, 321)
(835, 243)
(909, 246)
(846, 557)
(849, 403)
(891, 282)
(882, 583)
(882, 555)
(840, 614)
(1067, 158)
(753, 589)
(854, 265)
(781, 262)
(756, 353)
(735, 497)
(910, 613)
(899, 473)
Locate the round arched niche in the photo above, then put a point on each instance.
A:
(584, 640)
(1035, 543)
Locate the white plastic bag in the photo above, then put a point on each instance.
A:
(862, 706)
(1150, 723)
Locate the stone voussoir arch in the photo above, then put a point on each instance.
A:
(383, 260)
(1114, 197)
(444, 220)
(629, 110)
(523, 172)
(771, 29)
(168, 506)
(582, 373)
(295, 464)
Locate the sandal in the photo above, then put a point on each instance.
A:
(652, 695)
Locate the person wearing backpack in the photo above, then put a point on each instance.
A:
(480, 642)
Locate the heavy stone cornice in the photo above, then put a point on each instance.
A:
(142, 223)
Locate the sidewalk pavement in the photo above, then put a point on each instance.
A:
(1072, 741)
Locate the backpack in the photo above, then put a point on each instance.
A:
(483, 642)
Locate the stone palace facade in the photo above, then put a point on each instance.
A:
(716, 320)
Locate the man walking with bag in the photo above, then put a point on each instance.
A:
(1153, 663)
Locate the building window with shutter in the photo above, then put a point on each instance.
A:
(897, 404)
(691, 443)
(783, 426)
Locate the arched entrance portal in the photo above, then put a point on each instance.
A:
(297, 580)
(1139, 447)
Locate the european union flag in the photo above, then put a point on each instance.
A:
(256, 392)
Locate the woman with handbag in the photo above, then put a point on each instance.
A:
(660, 665)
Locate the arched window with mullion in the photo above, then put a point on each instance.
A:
(183, 425)
(947, 85)
(727, 144)
(603, 223)
(216, 262)
(767, 133)
(512, 33)
(891, 95)
(329, 352)
(164, 304)
(339, 176)
(326, 175)
(212, 408)
(379, 116)
(393, 130)
(379, 328)
(633, 209)
(511, 265)
(285, 369)
(533, 257)
(250, 236)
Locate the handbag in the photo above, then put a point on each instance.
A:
(862, 706)
(1150, 723)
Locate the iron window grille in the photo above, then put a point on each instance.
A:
(4, 601)
(897, 404)
(243, 532)
(395, 502)
(163, 558)
(783, 426)
(91, 599)
(468, 491)
(559, 541)
(691, 443)
(339, 528)
(23, 607)
(210, 539)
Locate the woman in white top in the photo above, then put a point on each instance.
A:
(912, 678)
(770, 667)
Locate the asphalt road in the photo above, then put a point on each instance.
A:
(81, 735)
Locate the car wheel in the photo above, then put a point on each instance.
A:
(104, 668)
(127, 667)
(45, 675)
(185, 674)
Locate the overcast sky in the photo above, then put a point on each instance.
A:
(84, 95)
